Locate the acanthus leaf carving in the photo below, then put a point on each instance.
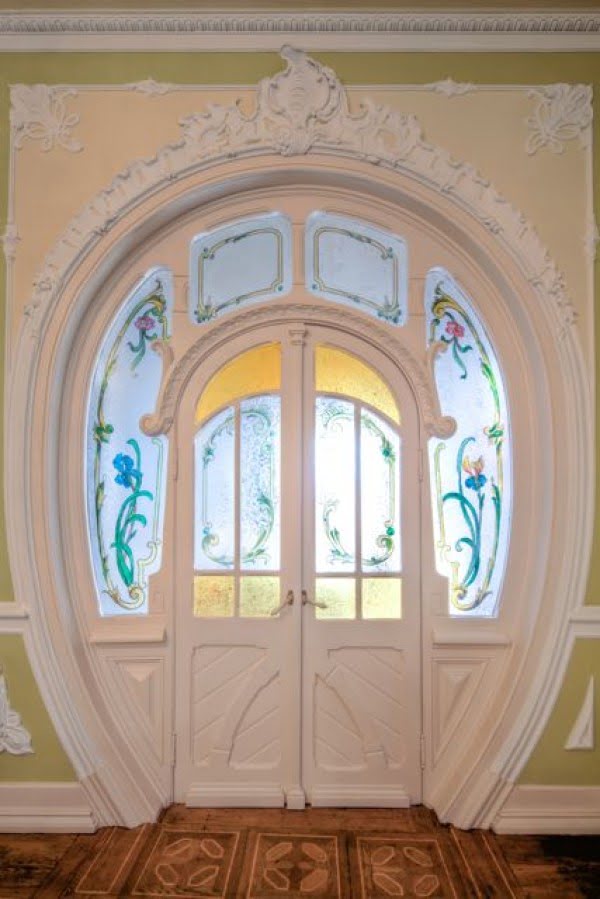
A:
(14, 738)
(563, 112)
(301, 110)
(39, 112)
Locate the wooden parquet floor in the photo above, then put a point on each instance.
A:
(325, 853)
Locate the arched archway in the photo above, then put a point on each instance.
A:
(80, 290)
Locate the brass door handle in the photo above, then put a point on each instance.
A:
(288, 601)
(311, 602)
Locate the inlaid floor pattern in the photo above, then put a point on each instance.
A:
(324, 853)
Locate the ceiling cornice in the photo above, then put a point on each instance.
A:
(407, 31)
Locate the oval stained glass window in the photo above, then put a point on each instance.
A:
(471, 482)
(126, 469)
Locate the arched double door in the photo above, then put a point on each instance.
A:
(297, 570)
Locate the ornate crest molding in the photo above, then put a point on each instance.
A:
(14, 738)
(301, 110)
(450, 88)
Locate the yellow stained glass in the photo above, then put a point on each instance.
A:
(382, 597)
(214, 596)
(338, 595)
(259, 596)
(256, 371)
(339, 372)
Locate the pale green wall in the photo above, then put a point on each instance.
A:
(549, 762)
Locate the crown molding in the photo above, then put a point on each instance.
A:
(183, 31)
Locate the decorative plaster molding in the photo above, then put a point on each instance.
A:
(301, 110)
(592, 240)
(582, 733)
(150, 87)
(563, 112)
(10, 241)
(325, 313)
(39, 112)
(14, 738)
(450, 88)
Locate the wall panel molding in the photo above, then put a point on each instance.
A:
(44, 808)
(550, 809)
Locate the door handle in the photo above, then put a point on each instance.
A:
(288, 601)
(311, 602)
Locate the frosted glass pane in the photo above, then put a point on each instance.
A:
(246, 261)
(260, 453)
(257, 371)
(214, 534)
(380, 494)
(259, 596)
(382, 597)
(340, 372)
(126, 469)
(214, 596)
(338, 596)
(352, 262)
(334, 485)
(470, 471)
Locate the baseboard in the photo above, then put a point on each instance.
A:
(240, 795)
(550, 809)
(374, 796)
(44, 808)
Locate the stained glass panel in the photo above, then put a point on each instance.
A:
(338, 597)
(239, 263)
(214, 596)
(214, 532)
(382, 597)
(260, 452)
(380, 494)
(259, 596)
(354, 263)
(126, 469)
(335, 531)
(257, 371)
(341, 373)
(470, 471)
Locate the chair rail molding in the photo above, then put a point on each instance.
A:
(300, 132)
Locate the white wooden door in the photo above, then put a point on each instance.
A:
(281, 701)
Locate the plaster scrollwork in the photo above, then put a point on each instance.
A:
(563, 112)
(10, 241)
(39, 112)
(14, 738)
(300, 110)
(420, 375)
(450, 88)
(150, 88)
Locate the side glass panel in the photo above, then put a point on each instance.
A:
(237, 532)
(243, 262)
(335, 478)
(470, 472)
(354, 263)
(126, 470)
(380, 496)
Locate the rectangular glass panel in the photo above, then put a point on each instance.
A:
(260, 451)
(335, 477)
(382, 597)
(259, 596)
(214, 596)
(338, 595)
(380, 500)
(214, 533)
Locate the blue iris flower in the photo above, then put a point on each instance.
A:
(127, 472)
(476, 482)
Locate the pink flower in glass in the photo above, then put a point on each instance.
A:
(144, 323)
(454, 329)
